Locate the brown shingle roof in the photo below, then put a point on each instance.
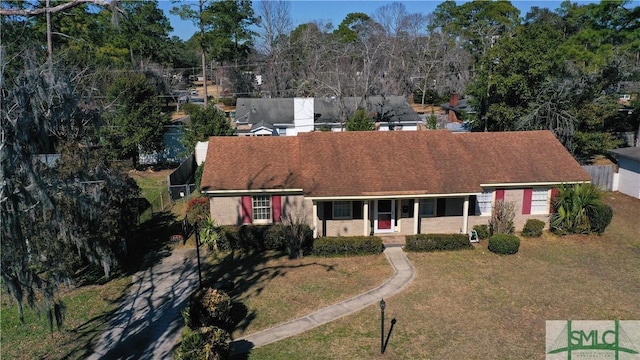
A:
(247, 163)
(387, 163)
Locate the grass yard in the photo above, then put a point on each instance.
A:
(478, 305)
(87, 311)
(275, 289)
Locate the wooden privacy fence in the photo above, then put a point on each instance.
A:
(601, 175)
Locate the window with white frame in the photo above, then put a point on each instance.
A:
(485, 199)
(427, 207)
(261, 208)
(342, 209)
(539, 203)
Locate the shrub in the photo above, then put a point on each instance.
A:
(572, 205)
(504, 244)
(251, 237)
(210, 235)
(229, 235)
(299, 238)
(275, 238)
(434, 242)
(209, 307)
(204, 343)
(198, 210)
(600, 217)
(502, 218)
(482, 230)
(347, 245)
(533, 228)
(198, 176)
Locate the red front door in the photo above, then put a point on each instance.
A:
(384, 218)
(384, 221)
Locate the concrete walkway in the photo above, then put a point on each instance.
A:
(148, 324)
(403, 274)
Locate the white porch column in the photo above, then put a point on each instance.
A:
(465, 215)
(315, 219)
(365, 216)
(416, 215)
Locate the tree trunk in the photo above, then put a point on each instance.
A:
(49, 35)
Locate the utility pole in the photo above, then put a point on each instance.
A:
(202, 46)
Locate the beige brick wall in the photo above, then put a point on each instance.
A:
(478, 220)
(343, 227)
(405, 226)
(441, 225)
(227, 210)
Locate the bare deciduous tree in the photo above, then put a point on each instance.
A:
(275, 22)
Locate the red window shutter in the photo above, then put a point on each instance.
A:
(276, 207)
(499, 194)
(247, 209)
(526, 201)
(554, 193)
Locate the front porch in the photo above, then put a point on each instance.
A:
(396, 216)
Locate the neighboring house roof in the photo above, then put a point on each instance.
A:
(387, 163)
(629, 152)
(391, 108)
(264, 112)
(259, 112)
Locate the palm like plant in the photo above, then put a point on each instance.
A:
(573, 205)
(210, 234)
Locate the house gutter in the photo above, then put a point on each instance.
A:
(245, 192)
(385, 196)
(534, 184)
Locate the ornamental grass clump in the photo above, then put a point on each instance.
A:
(209, 307)
(204, 343)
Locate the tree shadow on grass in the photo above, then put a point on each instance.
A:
(245, 274)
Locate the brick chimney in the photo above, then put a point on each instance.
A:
(453, 117)
(453, 100)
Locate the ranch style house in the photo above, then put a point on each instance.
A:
(392, 182)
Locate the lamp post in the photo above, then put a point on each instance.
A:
(198, 254)
(382, 306)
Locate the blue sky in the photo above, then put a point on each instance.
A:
(304, 11)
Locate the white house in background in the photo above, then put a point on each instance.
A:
(629, 170)
(290, 116)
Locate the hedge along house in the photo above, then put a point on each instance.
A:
(361, 183)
